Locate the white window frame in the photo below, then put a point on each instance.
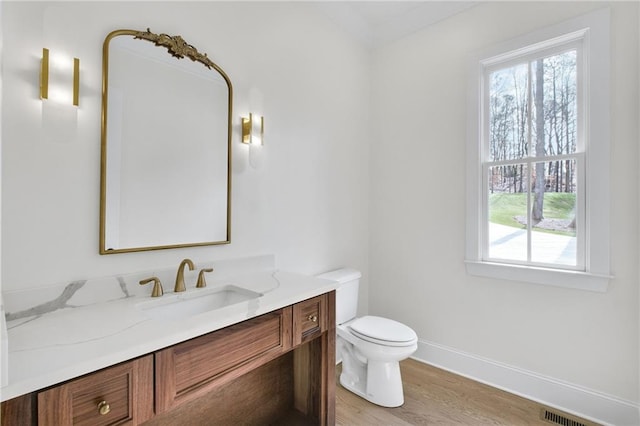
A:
(593, 272)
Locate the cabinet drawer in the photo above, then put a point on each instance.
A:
(309, 319)
(196, 366)
(124, 392)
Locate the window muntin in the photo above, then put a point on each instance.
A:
(533, 146)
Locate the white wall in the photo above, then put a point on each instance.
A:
(306, 199)
(417, 209)
(638, 192)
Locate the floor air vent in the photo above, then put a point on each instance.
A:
(558, 418)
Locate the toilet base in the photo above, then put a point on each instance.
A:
(381, 383)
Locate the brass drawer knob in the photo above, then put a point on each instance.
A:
(103, 408)
(312, 318)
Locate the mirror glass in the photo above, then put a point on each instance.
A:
(166, 145)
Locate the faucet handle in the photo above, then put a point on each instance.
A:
(157, 286)
(201, 281)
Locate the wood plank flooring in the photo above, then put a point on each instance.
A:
(437, 397)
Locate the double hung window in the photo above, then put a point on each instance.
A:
(533, 159)
(537, 183)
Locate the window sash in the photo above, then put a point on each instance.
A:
(580, 206)
(508, 62)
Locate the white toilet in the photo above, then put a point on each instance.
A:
(370, 347)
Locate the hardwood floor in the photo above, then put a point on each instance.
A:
(437, 397)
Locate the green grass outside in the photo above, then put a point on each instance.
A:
(503, 207)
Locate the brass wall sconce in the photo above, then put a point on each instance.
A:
(44, 77)
(253, 130)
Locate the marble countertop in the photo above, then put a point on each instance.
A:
(74, 334)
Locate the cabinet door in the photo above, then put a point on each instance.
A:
(119, 395)
(197, 366)
(309, 319)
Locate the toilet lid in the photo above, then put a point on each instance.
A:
(383, 330)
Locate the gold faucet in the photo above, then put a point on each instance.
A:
(180, 276)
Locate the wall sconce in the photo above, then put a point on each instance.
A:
(253, 130)
(44, 77)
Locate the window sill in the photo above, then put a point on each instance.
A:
(553, 277)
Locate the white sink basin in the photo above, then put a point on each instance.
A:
(176, 306)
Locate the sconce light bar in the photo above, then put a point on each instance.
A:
(44, 77)
(44, 74)
(76, 81)
(253, 130)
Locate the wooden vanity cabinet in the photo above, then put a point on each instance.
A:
(278, 368)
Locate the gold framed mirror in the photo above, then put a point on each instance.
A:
(166, 145)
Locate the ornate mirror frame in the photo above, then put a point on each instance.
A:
(178, 48)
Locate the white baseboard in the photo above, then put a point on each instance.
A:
(588, 404)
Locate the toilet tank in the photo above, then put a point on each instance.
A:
(346, 293)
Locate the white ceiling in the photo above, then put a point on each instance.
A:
(379, 22)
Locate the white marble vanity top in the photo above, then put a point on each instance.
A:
(93, 325)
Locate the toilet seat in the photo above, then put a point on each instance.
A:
(383, 331)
